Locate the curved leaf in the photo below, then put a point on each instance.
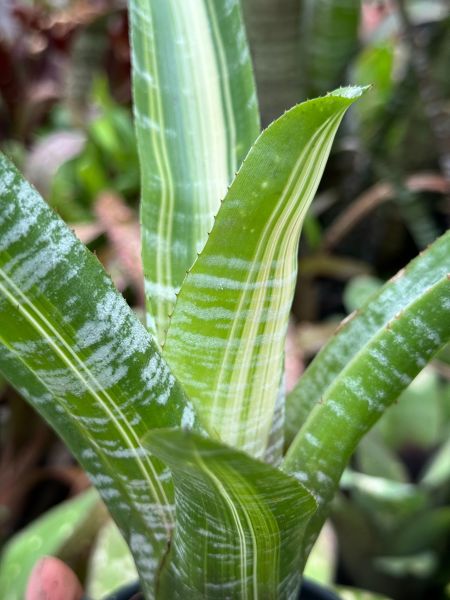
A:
(70, 344)
(240, 522)
(196, 116)
(226, 338)
(373, 378)
(357, 330)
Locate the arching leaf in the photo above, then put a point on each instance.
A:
(226, 338)
(73, 348)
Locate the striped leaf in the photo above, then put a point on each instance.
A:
(372, 379)
(240, 522)
(196, 116)
(73, 348)
(361, 327)
(226, 338)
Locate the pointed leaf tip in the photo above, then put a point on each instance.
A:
(352, 92)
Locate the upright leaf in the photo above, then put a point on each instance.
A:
(372, 379)
(357, 330)
(70, 344)
(226, 338)
(196, 117)
(240, 522)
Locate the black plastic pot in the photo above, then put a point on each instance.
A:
(309, 591)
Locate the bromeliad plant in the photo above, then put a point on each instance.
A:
(182, 425)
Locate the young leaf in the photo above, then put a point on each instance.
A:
(374, 377)
(196, 116)
(70, 344)
(240, 522)
(226, 337)
(360, 327)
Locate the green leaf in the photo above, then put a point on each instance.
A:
(358, 329)
(321, 565)
(226, 337)
(45, 536)
(239, 522)
(437, 472)
(417, 417)
(70, 344)
(111, 565)
(329, 37)
(349, 593)
(417, 566)
(387, 501)
(358, 291)
(196, 117)
(374, 458)
(427, 531)
(371, 380)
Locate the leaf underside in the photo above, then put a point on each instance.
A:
(196, 116)
(73, 348)
(226, 337)
(240, 522)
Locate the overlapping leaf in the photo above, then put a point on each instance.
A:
(196, 117)
(73, 348)
(361, 326)
(226, 337)
(383, 366)
(239, 522)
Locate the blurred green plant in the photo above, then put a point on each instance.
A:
(108, 160)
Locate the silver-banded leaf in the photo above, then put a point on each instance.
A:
(196, 117)
(374, 377)
(357, 330)
(70, 344)
(45, 536)
(328, 38)
(240, 522)
(226, 337)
